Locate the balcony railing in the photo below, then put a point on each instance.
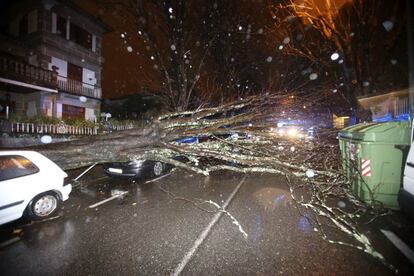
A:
(79, 88)
(18, 70)
(21, 71)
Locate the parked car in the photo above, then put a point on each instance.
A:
(30, 185)
(144, 168)
(136, 168)
(406, 194)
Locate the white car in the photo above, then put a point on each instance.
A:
(31, 185)
(406, 194)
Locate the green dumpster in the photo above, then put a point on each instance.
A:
(372, 158)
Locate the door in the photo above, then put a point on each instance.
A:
(408, 180)
(16, 180)
(74, 72)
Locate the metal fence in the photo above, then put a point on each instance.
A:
(62, 129)
(32, 128)
(122, 127)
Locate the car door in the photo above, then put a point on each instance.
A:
(408, 180)
(16, 179)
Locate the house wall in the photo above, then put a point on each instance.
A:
(45, 48)
(385, 107)
(92, 106)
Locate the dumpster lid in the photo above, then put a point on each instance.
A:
(390, 132)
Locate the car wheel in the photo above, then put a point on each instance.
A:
(158, 168)
(44, 205)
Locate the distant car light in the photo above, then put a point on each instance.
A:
(292, 132)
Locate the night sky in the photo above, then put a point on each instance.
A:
(264, 48)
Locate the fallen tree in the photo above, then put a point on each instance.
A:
(312, 167)
(250, 117)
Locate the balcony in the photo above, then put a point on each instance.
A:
(15, 69)
(79, 88)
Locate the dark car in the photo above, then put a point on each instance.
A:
(137, 168)
(145, 168)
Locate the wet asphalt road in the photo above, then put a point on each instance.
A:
(153, 228)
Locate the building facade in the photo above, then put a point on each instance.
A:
(51, 60)
(388, 106)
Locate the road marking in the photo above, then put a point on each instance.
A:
(158, 178)
(399, 244)
(108, 199)
(9, 242)
(79, 183)
(206, 231)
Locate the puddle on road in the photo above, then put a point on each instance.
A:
(271, 198)
(304, 223)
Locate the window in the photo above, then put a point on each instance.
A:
(71, 112)
(13, 166)
(61, 26)
(80, 36)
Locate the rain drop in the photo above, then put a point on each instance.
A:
(340, 61)
(240, 28)
(46, 139)
(82, 99)
(341, 204)
(388, 25)
(334, 56)
(292, 148)
(280, 47)
(313, 76)
(170, 10)
(310, 173)
(286, 40)
(269, 59)
(365, 84)
(122, 35)
(260, 31)
(129, 49)
(393, 61)
(152, 57)
(173, 47)
(335, 90)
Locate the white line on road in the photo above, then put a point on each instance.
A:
(205, 232)
(399, 244)
(158, 178)
(108, 199)
(9, 242)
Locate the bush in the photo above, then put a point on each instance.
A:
(41, 119)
